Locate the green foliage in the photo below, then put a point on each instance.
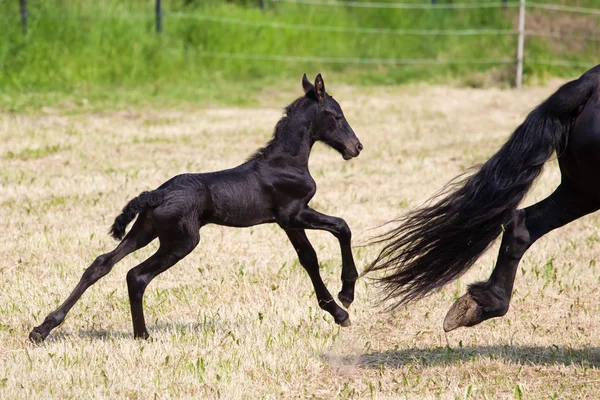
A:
(76, 47)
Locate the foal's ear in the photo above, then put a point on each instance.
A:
(320, 87)
(306, 85)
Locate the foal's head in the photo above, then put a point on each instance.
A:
(330, 125)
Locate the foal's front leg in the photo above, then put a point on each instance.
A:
(308, 259)
(311, 219)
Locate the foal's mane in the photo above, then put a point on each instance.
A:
(279, 131)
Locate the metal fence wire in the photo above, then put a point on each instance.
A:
(520, 32)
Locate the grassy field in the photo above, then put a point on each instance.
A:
(238, 318)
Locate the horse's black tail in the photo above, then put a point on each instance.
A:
(134, 207)
(437, 243)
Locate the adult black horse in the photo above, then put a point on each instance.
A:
(437, 243)
(274, 185)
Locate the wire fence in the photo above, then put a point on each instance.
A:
(378, 31)
(520, 32)
(404, 6)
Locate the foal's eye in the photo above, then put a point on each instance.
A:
(338, 117)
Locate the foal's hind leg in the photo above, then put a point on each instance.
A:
(140, 235)
(489, 299)
(308, 259)
(175, 244)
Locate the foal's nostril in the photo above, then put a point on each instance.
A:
(359, 146)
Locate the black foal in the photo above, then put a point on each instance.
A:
(274, 185)
(436, 244)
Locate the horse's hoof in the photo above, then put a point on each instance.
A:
(346, 323)
(344, 300)
(464, 312)
(36, 337)
(141, 336)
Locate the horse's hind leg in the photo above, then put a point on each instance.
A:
(308, 259)
(489, 299)
(175, 244)
(140, 235)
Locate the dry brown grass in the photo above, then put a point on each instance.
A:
(238, 318)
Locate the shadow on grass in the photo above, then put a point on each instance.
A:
(169, 329)
(95, 334)
(587, 357)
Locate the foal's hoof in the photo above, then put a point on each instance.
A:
(464, 312)
(346, 323)
(36, 337)
(346, 302)
(141, 336)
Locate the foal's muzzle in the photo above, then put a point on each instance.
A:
(352, 150)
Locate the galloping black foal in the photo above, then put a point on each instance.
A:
(274, 185)
(435, 244)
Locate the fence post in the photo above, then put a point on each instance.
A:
(158, 17)
(23, 4)
(521, 44)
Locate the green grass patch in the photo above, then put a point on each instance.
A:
(107, 53)
(33, 154)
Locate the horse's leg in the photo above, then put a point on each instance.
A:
(175, 245)
(308, 259)
(311, 219)
(140, 235)
(489, 299)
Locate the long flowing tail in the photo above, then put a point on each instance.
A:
(134, 207)
(437, 243)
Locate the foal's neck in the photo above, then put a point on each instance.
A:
(293, 138)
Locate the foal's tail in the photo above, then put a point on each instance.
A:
(134, 207)
(437, 243)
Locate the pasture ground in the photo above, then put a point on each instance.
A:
(238, 318)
